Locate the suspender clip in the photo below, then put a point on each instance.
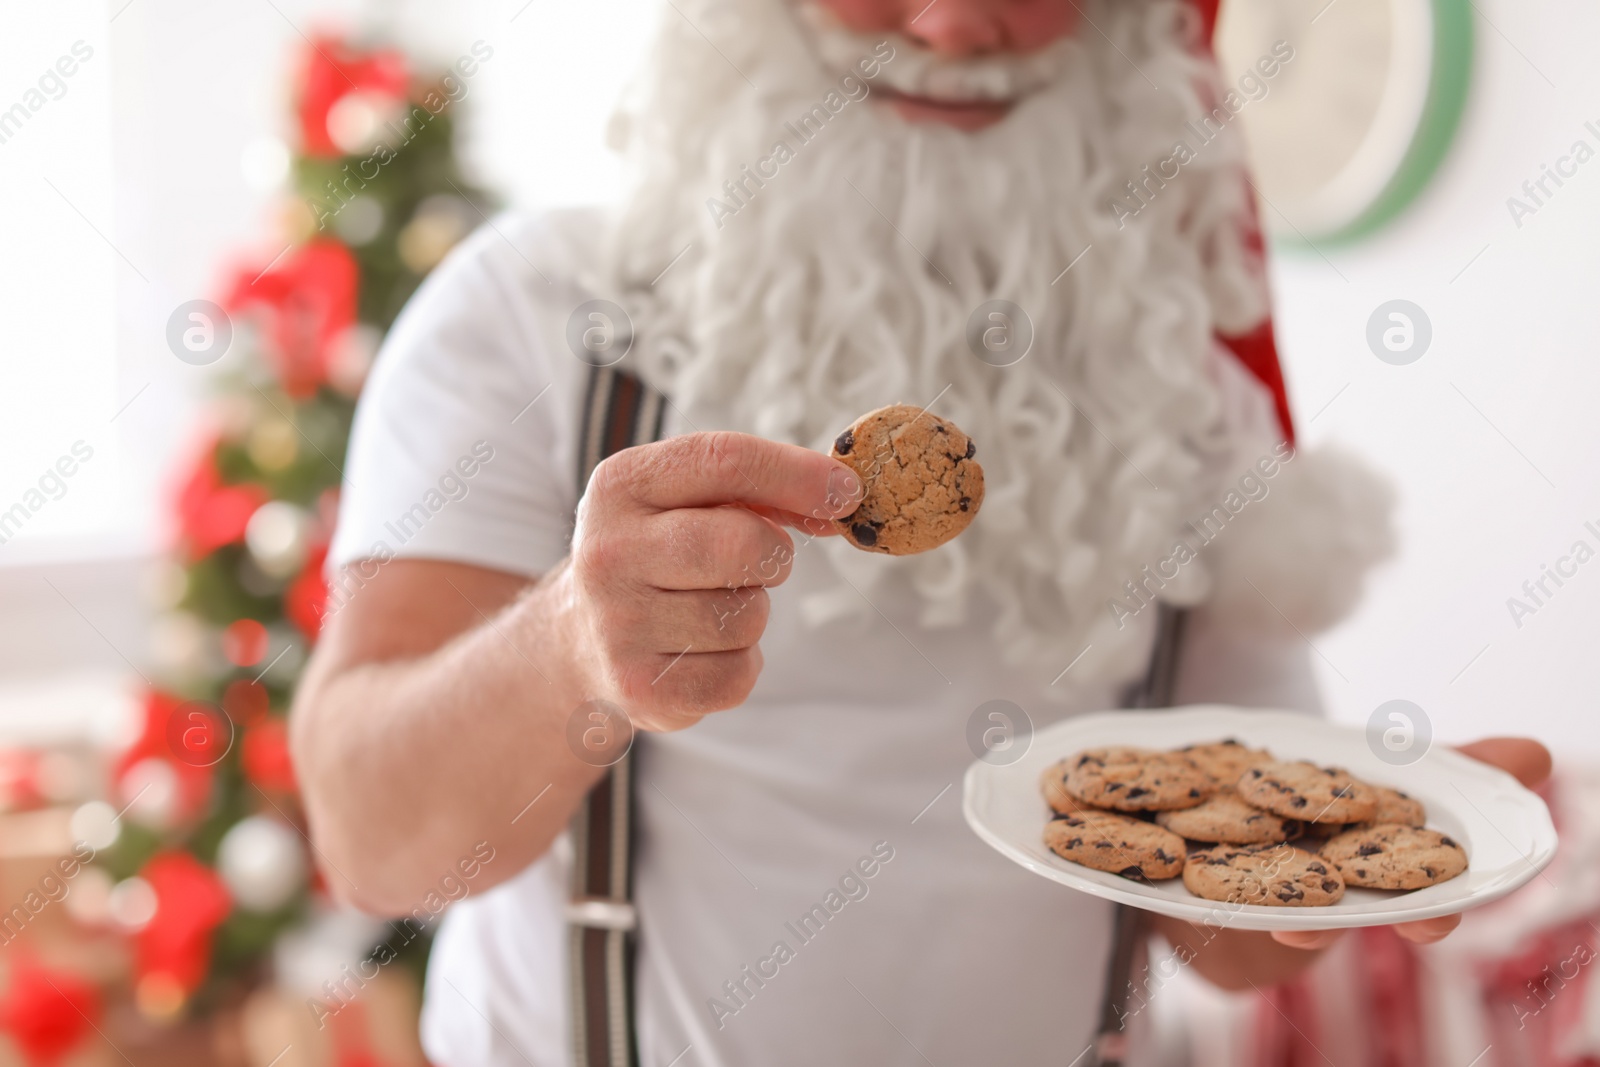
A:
(602, 913)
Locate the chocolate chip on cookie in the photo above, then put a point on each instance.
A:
(1393, 856)
(1224, 818)
(1136, 779)
(1274, 876)
(1308, 792)
(1116, 843)
(922, 486)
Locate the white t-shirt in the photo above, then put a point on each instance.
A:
(846, 758)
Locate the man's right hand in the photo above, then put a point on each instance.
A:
(435, 710)
(676, 545)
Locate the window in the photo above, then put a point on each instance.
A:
(60, 462)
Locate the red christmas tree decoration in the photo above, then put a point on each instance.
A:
(306, 600)
(334, 69)
(265, 756)
(46, 1012)
(308, 300)
(191, 902)
(162, 737)
(244, 642)
(211, 514)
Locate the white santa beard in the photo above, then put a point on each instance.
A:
(847, 280)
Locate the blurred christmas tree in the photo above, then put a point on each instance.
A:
(212, 864)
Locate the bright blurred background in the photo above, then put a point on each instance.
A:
(161, 165)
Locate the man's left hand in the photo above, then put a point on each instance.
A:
(1525, 760)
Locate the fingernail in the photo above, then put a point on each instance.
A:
(844, 490)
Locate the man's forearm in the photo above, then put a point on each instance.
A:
(407, 763)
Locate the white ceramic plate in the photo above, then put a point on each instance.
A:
(1505, 829)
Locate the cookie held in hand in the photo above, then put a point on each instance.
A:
(922, 486)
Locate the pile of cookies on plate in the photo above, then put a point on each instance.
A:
(1241, 826)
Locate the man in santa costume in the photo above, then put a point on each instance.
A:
(824, 193)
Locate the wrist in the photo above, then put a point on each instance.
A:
(547, 627)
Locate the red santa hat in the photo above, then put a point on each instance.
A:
(1298, 565)
(1257, 349)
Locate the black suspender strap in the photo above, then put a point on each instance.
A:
(620, 411)
(1154, 690)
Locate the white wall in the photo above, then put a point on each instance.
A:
(1488, 495)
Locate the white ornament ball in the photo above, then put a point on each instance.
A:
(262, 862)
(149, 790)
(331, 944)
(132, 904)
(95, 824)
(89, 902)
(276, 537)
(359, 221)
(354, 349)
(356, 120)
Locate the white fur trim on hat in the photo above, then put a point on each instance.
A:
(1298, 558)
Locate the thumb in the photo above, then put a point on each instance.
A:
(1523, 758)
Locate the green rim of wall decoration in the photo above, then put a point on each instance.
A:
(1449, 83)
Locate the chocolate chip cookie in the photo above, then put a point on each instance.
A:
(1397, 807)
(1136, 779)
(1053, 784)
(1224, 818)
(1276, 876)
(1306, 791)
(1393, 856)
(1226, 760)
(1116, 843)
(922, 486)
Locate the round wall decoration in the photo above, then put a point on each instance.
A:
(1353, 127)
